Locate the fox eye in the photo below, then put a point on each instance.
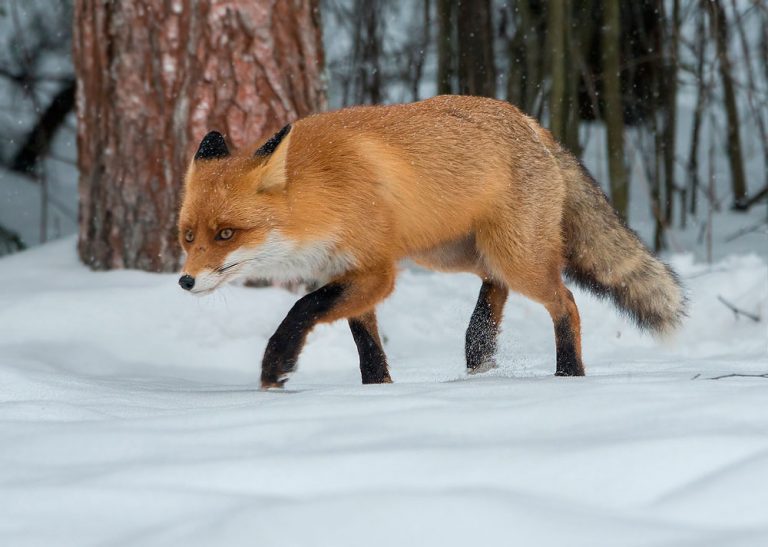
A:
(189, 236)
(226, 233)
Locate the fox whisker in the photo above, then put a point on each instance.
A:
(226, 267)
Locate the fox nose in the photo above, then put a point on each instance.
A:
(187, 282)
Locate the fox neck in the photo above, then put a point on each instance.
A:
(281, 259)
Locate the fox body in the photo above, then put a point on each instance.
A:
(453, 183)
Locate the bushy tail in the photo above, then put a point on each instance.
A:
(606, 257)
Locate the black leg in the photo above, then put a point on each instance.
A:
(285, 345)
(484, 326)
(373, 361)
(568, 359)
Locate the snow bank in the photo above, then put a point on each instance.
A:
(130, 414)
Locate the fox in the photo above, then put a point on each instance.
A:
(337, 200)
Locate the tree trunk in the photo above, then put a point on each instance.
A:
(754, 106)
(670, 112)
(421, 54)
(445, 46)
(719, 24)
(367, 51)
(533, 76)
(614, 113)
(153, 78)
(477, 72)
(574, 49)
(557, 95)
(702, 93)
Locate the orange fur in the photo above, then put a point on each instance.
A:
(455, 183)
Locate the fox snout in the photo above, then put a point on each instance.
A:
(187, 282)
(203, 281)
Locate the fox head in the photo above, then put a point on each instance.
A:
(233, 212)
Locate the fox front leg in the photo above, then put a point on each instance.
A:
(284, 346)
(352, 296)
(373, 360)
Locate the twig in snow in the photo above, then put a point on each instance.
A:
(738, 375)
(737, 311)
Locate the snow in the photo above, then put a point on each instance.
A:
(130, 414)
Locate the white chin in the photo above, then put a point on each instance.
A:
(208, 281)
(202, 292)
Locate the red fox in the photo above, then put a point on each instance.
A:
(455, 184)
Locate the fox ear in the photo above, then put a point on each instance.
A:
(274, 141)
(213, 146)
(272, 174)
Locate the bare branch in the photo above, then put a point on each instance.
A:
(736, 311)
(739, 375)
(745, 231)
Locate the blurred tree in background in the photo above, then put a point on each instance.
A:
(37, 92)
(664, 96)
(572, 62)
(154, 78)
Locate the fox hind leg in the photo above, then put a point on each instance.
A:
(534, 270)
(565, 316)
(483, 329)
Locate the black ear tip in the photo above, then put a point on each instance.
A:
(269, 147)
(212, 146)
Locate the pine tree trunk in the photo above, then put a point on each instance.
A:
(701, 96)
(445, 46)
(367, 49)
(573, 49)
(153, 78)
(614, 112)
(670, 112)
(556, 39)
(532, 82)
(477, 72)
(719, 24)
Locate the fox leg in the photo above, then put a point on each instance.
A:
(373, 361)
(565, 316)
(350, 296)
(533, 269)
(483, 327)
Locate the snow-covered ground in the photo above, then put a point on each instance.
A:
(130, 415)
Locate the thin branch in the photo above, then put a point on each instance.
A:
(736, 311)
(739, 375)
(745, 231)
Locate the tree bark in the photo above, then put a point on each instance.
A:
(533, 71)
(445, 46)
(702, 93)
(573, 49)
(421, 54)
(557, 96)
(670, 112)
(153, 77)
(719, 24)
(757, 112)
(367, 52)
(477, 72)
(614, 112)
